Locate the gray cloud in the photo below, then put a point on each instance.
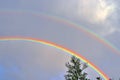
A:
(98, 14)
(25, 24)
(79, 11)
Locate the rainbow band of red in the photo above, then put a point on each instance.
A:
(94, 67)
(88, 32)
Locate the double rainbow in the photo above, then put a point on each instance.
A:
(74, 25)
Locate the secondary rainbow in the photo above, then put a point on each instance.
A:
(66, 22)
(60, 48)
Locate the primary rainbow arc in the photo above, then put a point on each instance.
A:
(60, 48)
(67, 22)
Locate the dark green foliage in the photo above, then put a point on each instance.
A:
(98, 78)
(75, 70)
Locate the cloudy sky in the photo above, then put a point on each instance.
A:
(90, 28)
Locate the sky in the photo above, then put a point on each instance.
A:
(73, 24)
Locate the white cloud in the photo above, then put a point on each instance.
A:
(99, 14)
(103, 11)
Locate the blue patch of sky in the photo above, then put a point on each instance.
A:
(12, 73)
(9, 4)
(2, 70)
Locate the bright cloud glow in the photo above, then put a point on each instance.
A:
(95, 11)
(104, 10)
(97, 14)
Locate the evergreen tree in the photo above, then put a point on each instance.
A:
(98, 78)
(75, 70)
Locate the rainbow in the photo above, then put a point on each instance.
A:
(60, 48)
(66, 22)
